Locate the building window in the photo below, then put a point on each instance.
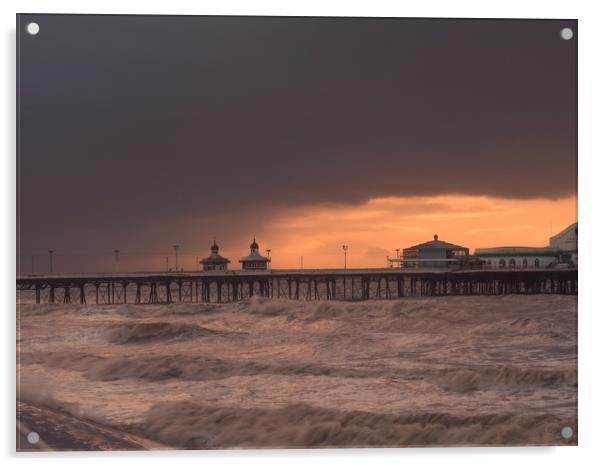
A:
(525, 263)
(536, 264)
(488, 263)
(512, 263)
(502, 264)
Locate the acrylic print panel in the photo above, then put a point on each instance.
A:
(272, 232)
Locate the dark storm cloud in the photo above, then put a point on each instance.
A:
(126, 121)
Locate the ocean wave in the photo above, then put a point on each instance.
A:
(144, 332)
(192, 426)
(178, 366)
(185, 367)
(482, 378)
(32, 390)
(167, 310)
(33, 310)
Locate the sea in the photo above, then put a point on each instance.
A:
(271, 373)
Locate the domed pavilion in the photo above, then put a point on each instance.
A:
(215, 261)
(254, 261)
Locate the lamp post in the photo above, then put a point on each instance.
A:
(269, 258)
(398, 261)
(345, 249)
(116, 252)
(176, 247)
(50, 253)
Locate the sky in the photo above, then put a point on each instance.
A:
(141, 132)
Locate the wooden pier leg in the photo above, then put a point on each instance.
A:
(38, 294)
(168, 292)
(137, 299)
(67, 295)
(82, 294)
(125, 294)
(51, 295)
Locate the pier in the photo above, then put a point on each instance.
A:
(319, 284)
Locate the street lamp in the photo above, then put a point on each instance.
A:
(269, 258)
(176, 247)
(116, 251)
(50, 252)
(345, 249)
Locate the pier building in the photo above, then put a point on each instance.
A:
(215, 261)
(254, 261)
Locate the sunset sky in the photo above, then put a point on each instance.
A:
(139, 133)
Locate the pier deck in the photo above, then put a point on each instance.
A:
(318, 284)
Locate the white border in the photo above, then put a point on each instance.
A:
(590, 309)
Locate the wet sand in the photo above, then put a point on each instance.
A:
(65, 432)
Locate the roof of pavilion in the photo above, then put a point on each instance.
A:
(215, 258)
(254, 256)
(436, 244)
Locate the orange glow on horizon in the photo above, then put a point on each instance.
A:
(377, 227)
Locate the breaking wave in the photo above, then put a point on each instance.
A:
(191, 426)
(183, 367)
(177, 366)
(32, 390)
(167, 310)
(471, 379)
(138, 332)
